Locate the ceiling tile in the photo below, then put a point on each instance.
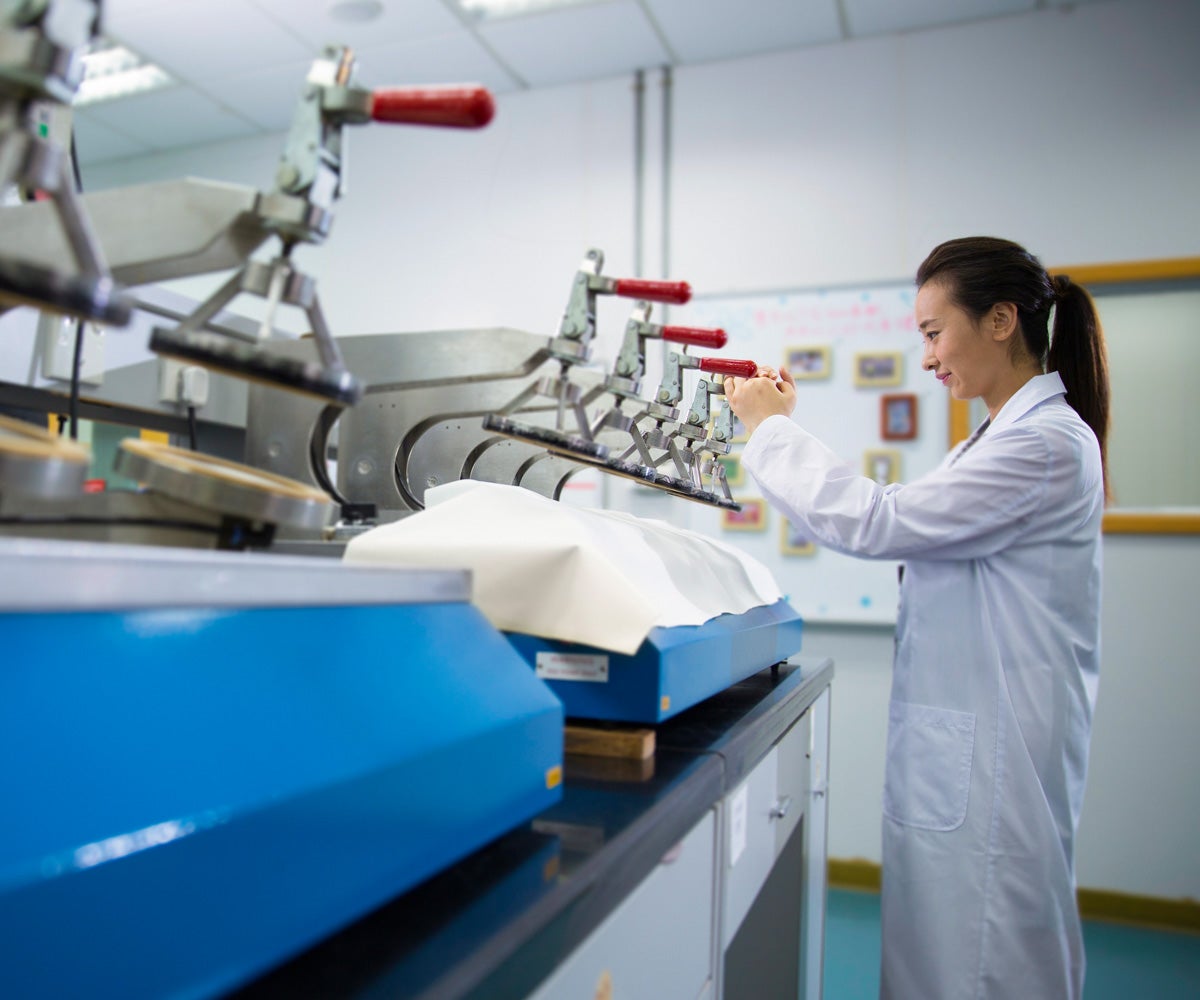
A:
(198, 39)
(242, 63)
(265, 96)
(456, 58)
(879, 17)
(407, 21)
(580, 43)
(176, 116)
(704, 30)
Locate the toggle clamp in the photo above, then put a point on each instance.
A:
(572, 346)
(581, 442)
(683, 446)
(309, 180)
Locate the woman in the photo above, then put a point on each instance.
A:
(998, 630)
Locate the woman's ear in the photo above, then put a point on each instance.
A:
(1002, 321)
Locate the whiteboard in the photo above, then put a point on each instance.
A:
(844, 324)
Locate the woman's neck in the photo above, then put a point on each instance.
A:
(1008, 387)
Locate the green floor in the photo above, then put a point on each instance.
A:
(1127, 962)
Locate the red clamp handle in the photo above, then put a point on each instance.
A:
(729, 366)
(457, 107)
(695, 336)
(675, 292)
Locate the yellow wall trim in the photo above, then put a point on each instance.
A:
(854, 873)
(1094, 904)
(1149, 911)
(960, 420)
(1129, 522)
(1168, 269)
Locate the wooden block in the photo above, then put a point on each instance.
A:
(616, 769)
(601, 740)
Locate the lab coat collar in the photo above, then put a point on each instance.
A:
(1037, 390)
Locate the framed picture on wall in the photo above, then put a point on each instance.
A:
(793, 542)
(898, 416)
(808, 362)
(735, 475)
(752, 516)
(882, 465)
(882, 368)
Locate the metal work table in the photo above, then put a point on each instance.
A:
(502, 921)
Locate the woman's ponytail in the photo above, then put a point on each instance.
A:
(1077, 353)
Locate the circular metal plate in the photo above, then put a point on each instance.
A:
(35, 463)
(226, 487)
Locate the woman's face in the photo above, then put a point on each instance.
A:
(956, 348)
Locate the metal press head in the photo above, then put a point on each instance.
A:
(221, 353)
(310, 178)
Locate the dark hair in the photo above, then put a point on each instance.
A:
(979, 271)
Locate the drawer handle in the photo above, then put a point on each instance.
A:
(781, 807)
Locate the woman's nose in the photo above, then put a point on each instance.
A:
(928, 358)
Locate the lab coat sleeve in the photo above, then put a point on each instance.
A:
(967, 510)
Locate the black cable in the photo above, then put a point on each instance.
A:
(191, 421)
(77, 357)
(76, 365)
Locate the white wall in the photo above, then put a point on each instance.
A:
(1076, 132)
(1073, 132)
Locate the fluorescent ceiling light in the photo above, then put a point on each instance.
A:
(356, 11)
(114, 71)
(491, 10)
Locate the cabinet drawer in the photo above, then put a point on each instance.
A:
(658, 942)
(760, 815)
(795, 779)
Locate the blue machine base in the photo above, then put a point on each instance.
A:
(192, 796)
(673, 669)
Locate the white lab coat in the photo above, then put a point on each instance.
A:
(992, 693)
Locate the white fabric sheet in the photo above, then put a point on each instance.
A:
(601, 578)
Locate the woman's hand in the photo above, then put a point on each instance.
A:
(755, 399)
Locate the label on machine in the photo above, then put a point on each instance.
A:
(573, 667)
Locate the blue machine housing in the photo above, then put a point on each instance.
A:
(194, 794)
(673, 669)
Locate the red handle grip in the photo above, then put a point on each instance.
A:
(729, 366)
(695, 336)
(457, 107)
(676, 292)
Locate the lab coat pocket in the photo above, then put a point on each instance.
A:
(929, 766)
